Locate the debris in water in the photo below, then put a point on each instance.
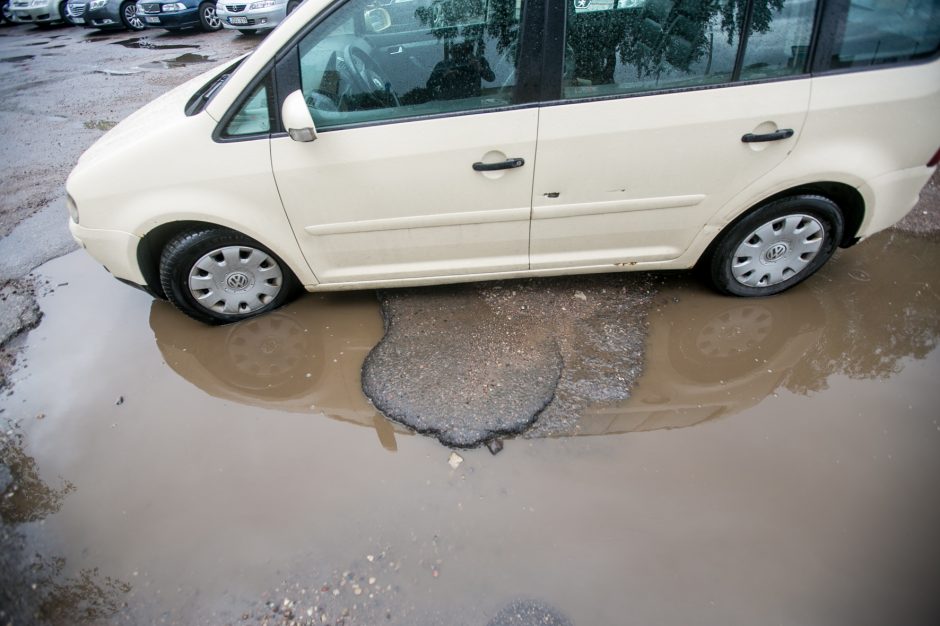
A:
(580, 296)
(119, 401)
(495, 446)
(455, 460)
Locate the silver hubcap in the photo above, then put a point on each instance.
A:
(235, 280)
(211, 18)
(777, 250)
(130, 14)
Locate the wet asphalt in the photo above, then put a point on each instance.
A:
(670, 456)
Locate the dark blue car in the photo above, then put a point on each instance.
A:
(175, 16)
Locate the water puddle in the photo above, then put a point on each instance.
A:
(18, 59)
(145, 43)
(775, 462)
(181, 61)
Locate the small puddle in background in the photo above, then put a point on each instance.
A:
(181, 61)
(776, 463)
(25, 57)
(104, 125)
(146, 44)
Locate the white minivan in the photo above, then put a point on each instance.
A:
(385, 143)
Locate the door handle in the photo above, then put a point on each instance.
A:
(508, 164)
(783, 133)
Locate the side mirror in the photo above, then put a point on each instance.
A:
(297, 119)
(377, 20)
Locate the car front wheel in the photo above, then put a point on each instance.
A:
(208, 20)
(129, 17)
(217, 276)
(776, 247)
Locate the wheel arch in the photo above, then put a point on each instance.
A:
(152, 244)
(850, 201)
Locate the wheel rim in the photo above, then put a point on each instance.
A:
(130, 16)
(7, 12)
(212, 20)
(235, 280)
(778, 250)
(734, 332)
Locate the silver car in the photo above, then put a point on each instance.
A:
(251, 16)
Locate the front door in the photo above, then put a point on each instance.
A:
(422, 166)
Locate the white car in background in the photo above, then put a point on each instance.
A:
(250, 17)
(40, 12)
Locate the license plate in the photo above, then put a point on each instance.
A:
(237, 20)
(78, 20)
(152, 20)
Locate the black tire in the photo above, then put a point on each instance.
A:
(208, 20)
(232, 293)
(293, 4)
(6, 14)
(775, 247)
(64, 14)
(129, 16)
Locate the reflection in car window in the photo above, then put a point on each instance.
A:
(887, 32)
(253, 118)
(376, 61)
(627, 46)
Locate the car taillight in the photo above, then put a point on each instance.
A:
(935, 159)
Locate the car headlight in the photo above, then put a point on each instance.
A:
(175, 6)
(73, 208)
(97, 4)
(261, 5)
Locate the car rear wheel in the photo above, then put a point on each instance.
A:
(129, 17)
(208, 20)
(217, 276)
(776, 247)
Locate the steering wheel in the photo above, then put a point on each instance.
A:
(366, 75)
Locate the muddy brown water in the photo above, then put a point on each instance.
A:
(777, 463)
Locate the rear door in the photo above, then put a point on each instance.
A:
(645, 144)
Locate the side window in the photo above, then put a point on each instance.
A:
(625, 46)
(371, 61)
(887, 31)
(253, 117)
(778, 40)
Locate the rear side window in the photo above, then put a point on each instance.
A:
(628, 46)
(877, 32)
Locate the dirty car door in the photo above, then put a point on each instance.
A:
(402, 182)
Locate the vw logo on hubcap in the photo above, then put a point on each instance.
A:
(776, 252)
(238, 281)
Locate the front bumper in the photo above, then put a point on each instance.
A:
(254, 20)
(104, 17)
(114, 249)
(39, 15)
(180, 19)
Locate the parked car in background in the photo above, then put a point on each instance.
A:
(40, 12)
(106, 14)
(250, 17)
(175, 16)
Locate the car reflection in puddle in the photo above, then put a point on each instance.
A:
(707, 356)
(303, 358)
